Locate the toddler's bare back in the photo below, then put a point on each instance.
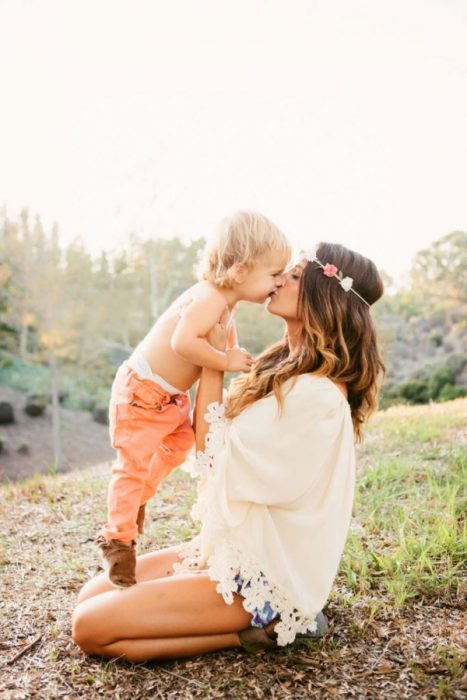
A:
(156, 346)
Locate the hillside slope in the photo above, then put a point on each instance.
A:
(28, 445)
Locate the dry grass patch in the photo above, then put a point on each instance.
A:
(396, 610)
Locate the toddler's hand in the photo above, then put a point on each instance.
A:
(238, 360)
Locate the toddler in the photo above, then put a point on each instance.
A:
(149, 412)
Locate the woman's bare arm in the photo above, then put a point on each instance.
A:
(209, 390)
(210, 384)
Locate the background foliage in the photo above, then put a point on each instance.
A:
(89, 313)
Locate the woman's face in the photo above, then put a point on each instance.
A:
(284, 301)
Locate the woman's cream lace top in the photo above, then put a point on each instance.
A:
(275, 501)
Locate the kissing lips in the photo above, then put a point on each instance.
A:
(270, 297)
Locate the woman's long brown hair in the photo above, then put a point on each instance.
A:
(338, 338)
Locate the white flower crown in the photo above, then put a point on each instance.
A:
(331, 271)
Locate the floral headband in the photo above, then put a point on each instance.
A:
(331, 271)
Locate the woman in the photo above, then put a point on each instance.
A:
(277, 483)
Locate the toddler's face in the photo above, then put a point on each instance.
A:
(263, 279)
(284, 302)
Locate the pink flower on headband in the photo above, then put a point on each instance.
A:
(330, 270)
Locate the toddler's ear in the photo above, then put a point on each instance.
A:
(239, 272)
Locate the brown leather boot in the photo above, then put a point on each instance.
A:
(119, 560)
(140, 518)
(254, 639)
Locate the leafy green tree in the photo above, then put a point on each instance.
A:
(439, 273)
(14, 292)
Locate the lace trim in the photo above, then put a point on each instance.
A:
(214, 440)
(226, 562)
(200, 466)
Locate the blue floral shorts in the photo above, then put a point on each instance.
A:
(260, 618)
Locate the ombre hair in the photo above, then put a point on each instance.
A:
(241, 239)
(338, 338)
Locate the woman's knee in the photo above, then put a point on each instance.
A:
(85, 632)
(84, 593)
(95, 586)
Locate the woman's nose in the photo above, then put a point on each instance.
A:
(280, 280)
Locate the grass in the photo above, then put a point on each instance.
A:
(410, 531)
(395, 610)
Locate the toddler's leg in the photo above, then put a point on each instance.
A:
(172, 452)
(136, 434)
(140, 436)
(126, 489)
(117, 542)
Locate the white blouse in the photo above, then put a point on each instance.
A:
(275, 501)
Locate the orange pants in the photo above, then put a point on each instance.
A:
(152, 433)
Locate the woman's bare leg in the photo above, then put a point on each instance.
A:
(138, 650)
(158, 619)
(148, 566)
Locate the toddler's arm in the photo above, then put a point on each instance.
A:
(189, 338)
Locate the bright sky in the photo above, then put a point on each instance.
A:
(340, 120)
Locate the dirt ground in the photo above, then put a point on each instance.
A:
(84, 442)
(374, 650)
(413, 652)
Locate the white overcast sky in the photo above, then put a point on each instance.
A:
(342, 120)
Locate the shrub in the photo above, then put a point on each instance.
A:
(7, 414)
(36, 404)
(414, 390)
(438, 380)
(436, 338)
(450, 392)
(101, 414)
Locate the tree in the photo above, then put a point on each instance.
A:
(439, 273)
(14, 291)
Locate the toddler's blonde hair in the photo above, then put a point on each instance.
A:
(242, 238)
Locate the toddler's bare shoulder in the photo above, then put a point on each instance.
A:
(207, 293)
(201, 294)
